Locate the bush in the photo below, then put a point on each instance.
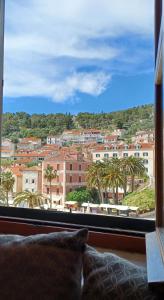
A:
(144, 199)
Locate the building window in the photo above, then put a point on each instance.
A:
(145, 153)
(26, 180)
(58, 167)
(79, 178)
(126, 147)
(70, 167)
(146, 169)
(70, 190)
(79, 167)
(33, 181)
(115, 154)
(97, 155)
(48, 190)
(125, 154)
(136, 154)
(138, 147)
(32, 190)
(145, 161)
(57, 191)
(70, 179)
(106, 155)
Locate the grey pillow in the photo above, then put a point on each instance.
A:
(42, 266)
(108, 276)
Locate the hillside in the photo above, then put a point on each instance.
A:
(21, 124)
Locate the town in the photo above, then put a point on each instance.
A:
(54, 174)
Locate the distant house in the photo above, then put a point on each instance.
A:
(144, 136)
(30, 143)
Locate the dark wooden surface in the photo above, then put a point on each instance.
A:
(97, 239)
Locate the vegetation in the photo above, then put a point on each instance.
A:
(113, 174)
(144, 199)
(7, 183)
(50, 174)
(20, 124)
(83, 194)
(32, 199)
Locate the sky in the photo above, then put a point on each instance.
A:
(78, 55)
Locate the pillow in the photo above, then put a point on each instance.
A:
(42, 266)
(108, 276)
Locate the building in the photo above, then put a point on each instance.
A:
(142, 150)
(71, 174)
(144, 137)
(32, 179)
(30, 143)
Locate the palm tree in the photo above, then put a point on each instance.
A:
(133, 166)
(5, 163)
(95, 177)
(114, 177)
(50, 174)
(7, 183)
(31, 198)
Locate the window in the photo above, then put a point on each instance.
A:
(146, 169)
(145, 153)
(126, 147)
(26, 180)
(58, 167)
(136, 154)
(79, 178)
(79, 167)
(32, 190)
(33, 181)
(58, 123)
(125, 154)
(146, 161)
(57, 191)
(138, 147)
(106, 155)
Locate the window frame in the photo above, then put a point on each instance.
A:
(155, 240)
(99, 223)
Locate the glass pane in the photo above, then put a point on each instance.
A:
(78, 115)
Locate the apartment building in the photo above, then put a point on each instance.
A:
(71, 174)
(142, 150)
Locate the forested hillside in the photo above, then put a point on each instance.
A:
(21, 124)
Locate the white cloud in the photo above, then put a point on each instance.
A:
(49, 44)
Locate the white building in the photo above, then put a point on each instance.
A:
(142, 150)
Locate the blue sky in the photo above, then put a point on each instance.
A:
(78, 55)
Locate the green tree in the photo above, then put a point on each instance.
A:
(32, 199)
(50, 174)
(114, 177)
(7, 183)
(79, 196)
(95, 177)
(133, 166)
(6, 162)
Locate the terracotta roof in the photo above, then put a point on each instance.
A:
(34, 168)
